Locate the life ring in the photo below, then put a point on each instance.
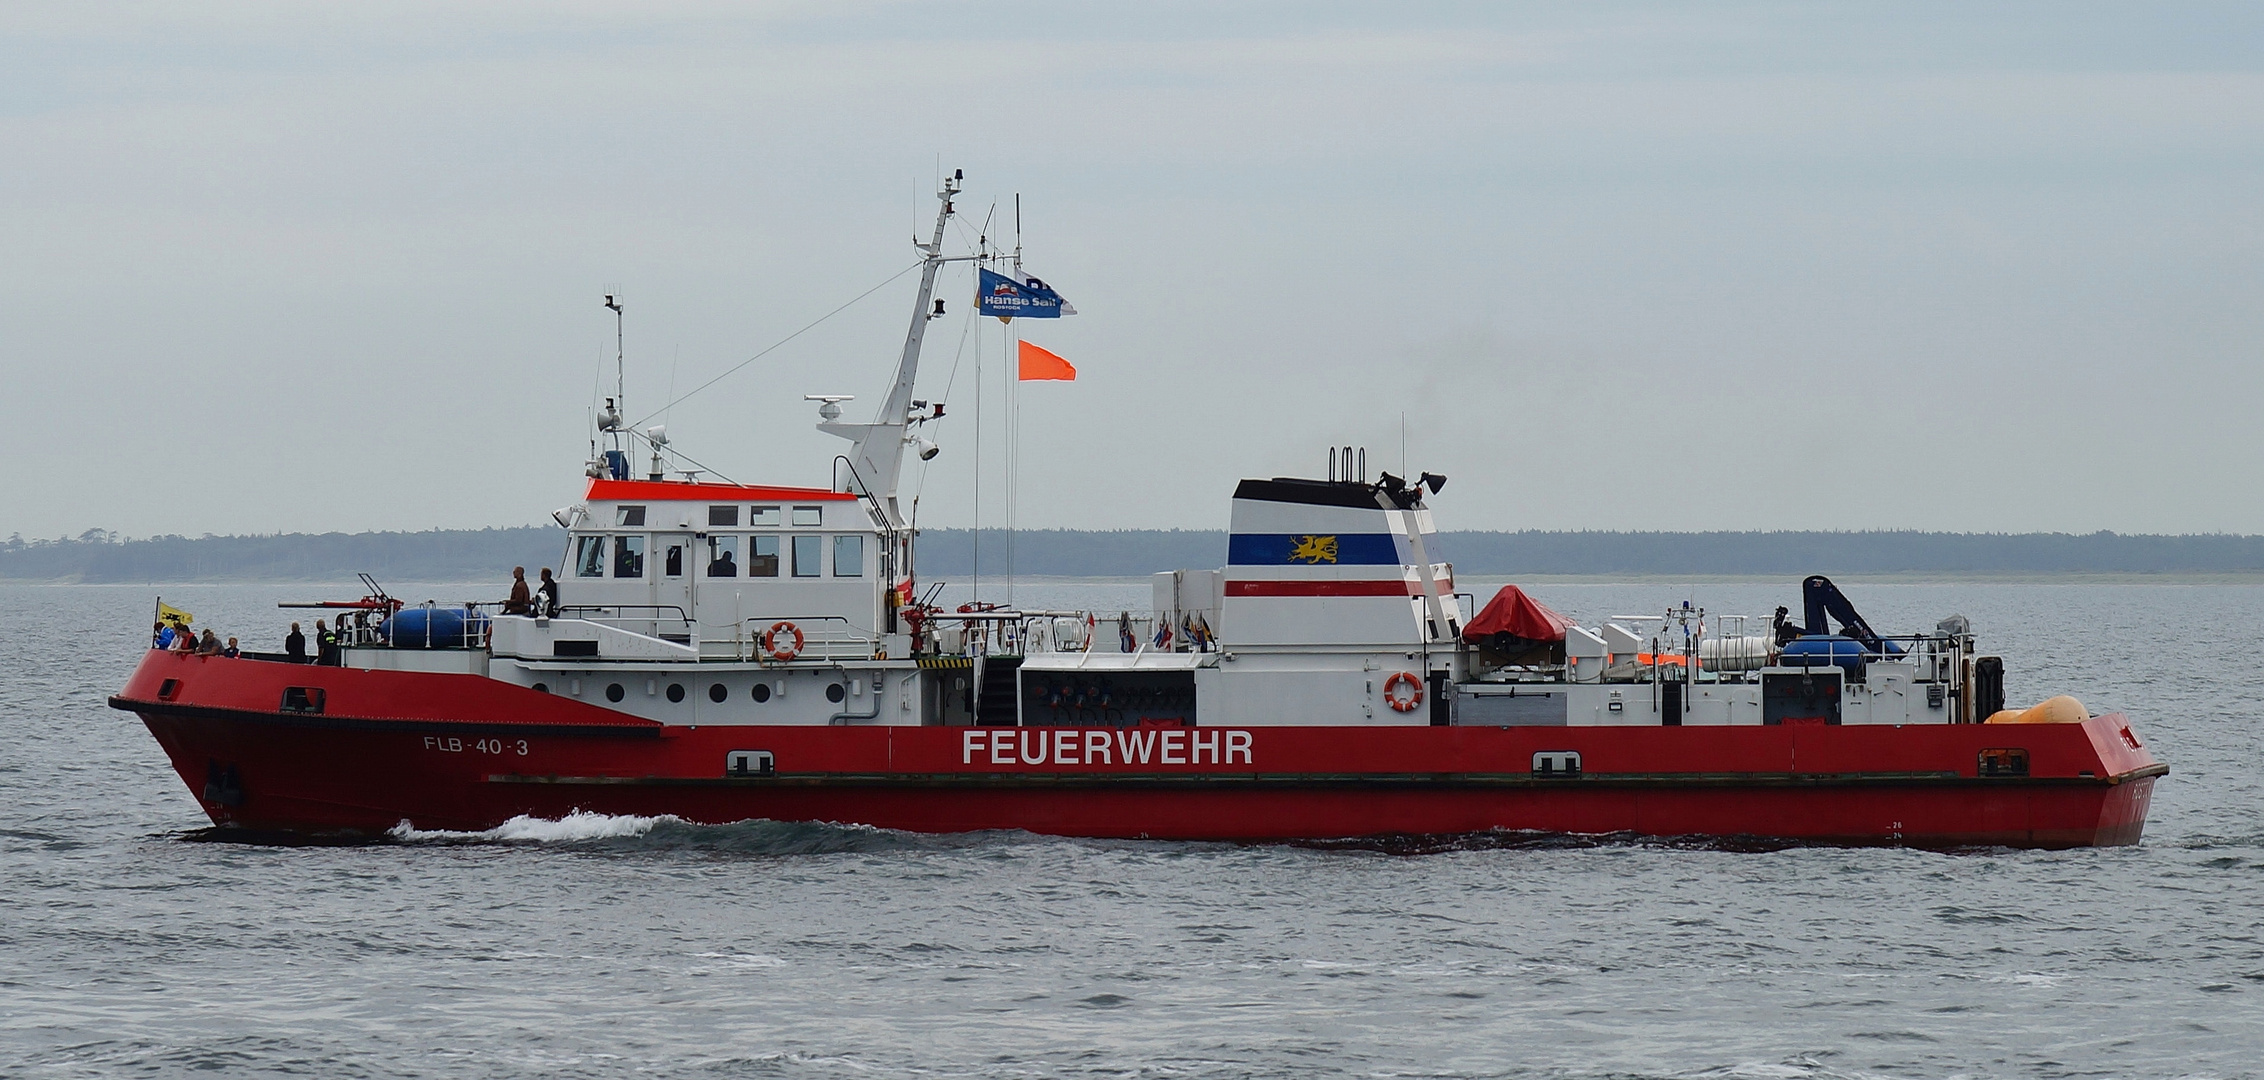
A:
(783, 652)
(1413, 698)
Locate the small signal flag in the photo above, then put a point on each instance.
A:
(1038, 364)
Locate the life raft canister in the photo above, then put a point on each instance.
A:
(787, 651)
(1403, 702)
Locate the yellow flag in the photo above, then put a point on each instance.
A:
(168, 613)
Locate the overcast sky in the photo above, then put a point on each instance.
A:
(291, 267)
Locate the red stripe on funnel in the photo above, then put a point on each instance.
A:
(1327, 588)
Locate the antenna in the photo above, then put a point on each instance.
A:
(876, 459)
(620, 377)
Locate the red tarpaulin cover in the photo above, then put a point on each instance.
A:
(1513, 612)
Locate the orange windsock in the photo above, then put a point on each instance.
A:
(1037, 363)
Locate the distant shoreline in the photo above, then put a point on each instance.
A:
(950, 554)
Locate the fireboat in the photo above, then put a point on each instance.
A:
(723, 652)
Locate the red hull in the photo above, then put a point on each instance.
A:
(463, 752)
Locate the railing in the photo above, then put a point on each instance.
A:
(1683, 650)
(824, 637)
(360, 634)
(669, 622)
(598, 612)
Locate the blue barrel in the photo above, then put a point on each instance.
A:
(434, 628)
(1822, 650)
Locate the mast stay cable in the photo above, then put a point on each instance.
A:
(774, 346)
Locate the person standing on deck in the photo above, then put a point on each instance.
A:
(519, 603)
(548, 590)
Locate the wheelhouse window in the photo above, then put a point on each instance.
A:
(764, 515)
(589, 556)
(848, 556)
(723, 556)
(762, 556)
(629, 517)
(809, 556)
(673, 564)
(727, 516)
(628, 556)
(809, 515)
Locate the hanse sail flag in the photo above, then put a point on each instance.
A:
(1018, 296)
(1036, 364)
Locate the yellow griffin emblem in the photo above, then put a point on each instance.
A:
(1313, 549)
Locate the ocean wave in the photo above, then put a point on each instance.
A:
(1536, 840)
(579, 825)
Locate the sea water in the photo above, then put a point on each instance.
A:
(133, 941)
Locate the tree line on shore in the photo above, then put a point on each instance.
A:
(97, 556)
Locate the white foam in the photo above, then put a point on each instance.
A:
(744, 960)
(1769, 1070)
(579, 825)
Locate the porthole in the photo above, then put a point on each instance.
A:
(718, 692)
(675, 691)
(834, 693)
(760, 693)
(613, 692)
(542, 688)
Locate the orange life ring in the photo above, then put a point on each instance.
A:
(1414, 692)
(783, 652)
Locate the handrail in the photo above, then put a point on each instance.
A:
(766, 620)
(681, 615)
(821, 632)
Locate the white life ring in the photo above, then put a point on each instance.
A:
(1403, 702)
(782, 652)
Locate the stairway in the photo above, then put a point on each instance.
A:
(995, 702)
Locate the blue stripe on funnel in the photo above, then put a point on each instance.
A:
(1274, 549)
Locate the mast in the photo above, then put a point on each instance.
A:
(620, 364)
(876, 457)
(617, 406)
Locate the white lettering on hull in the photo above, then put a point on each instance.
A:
(449, 745)
(1090, 747)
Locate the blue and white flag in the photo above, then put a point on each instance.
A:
(1009, 297)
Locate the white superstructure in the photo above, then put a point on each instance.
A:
(710, 603)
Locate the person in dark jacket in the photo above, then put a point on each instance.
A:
(295, 646)
(325, 644)
(548, 591)
(232, 652)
